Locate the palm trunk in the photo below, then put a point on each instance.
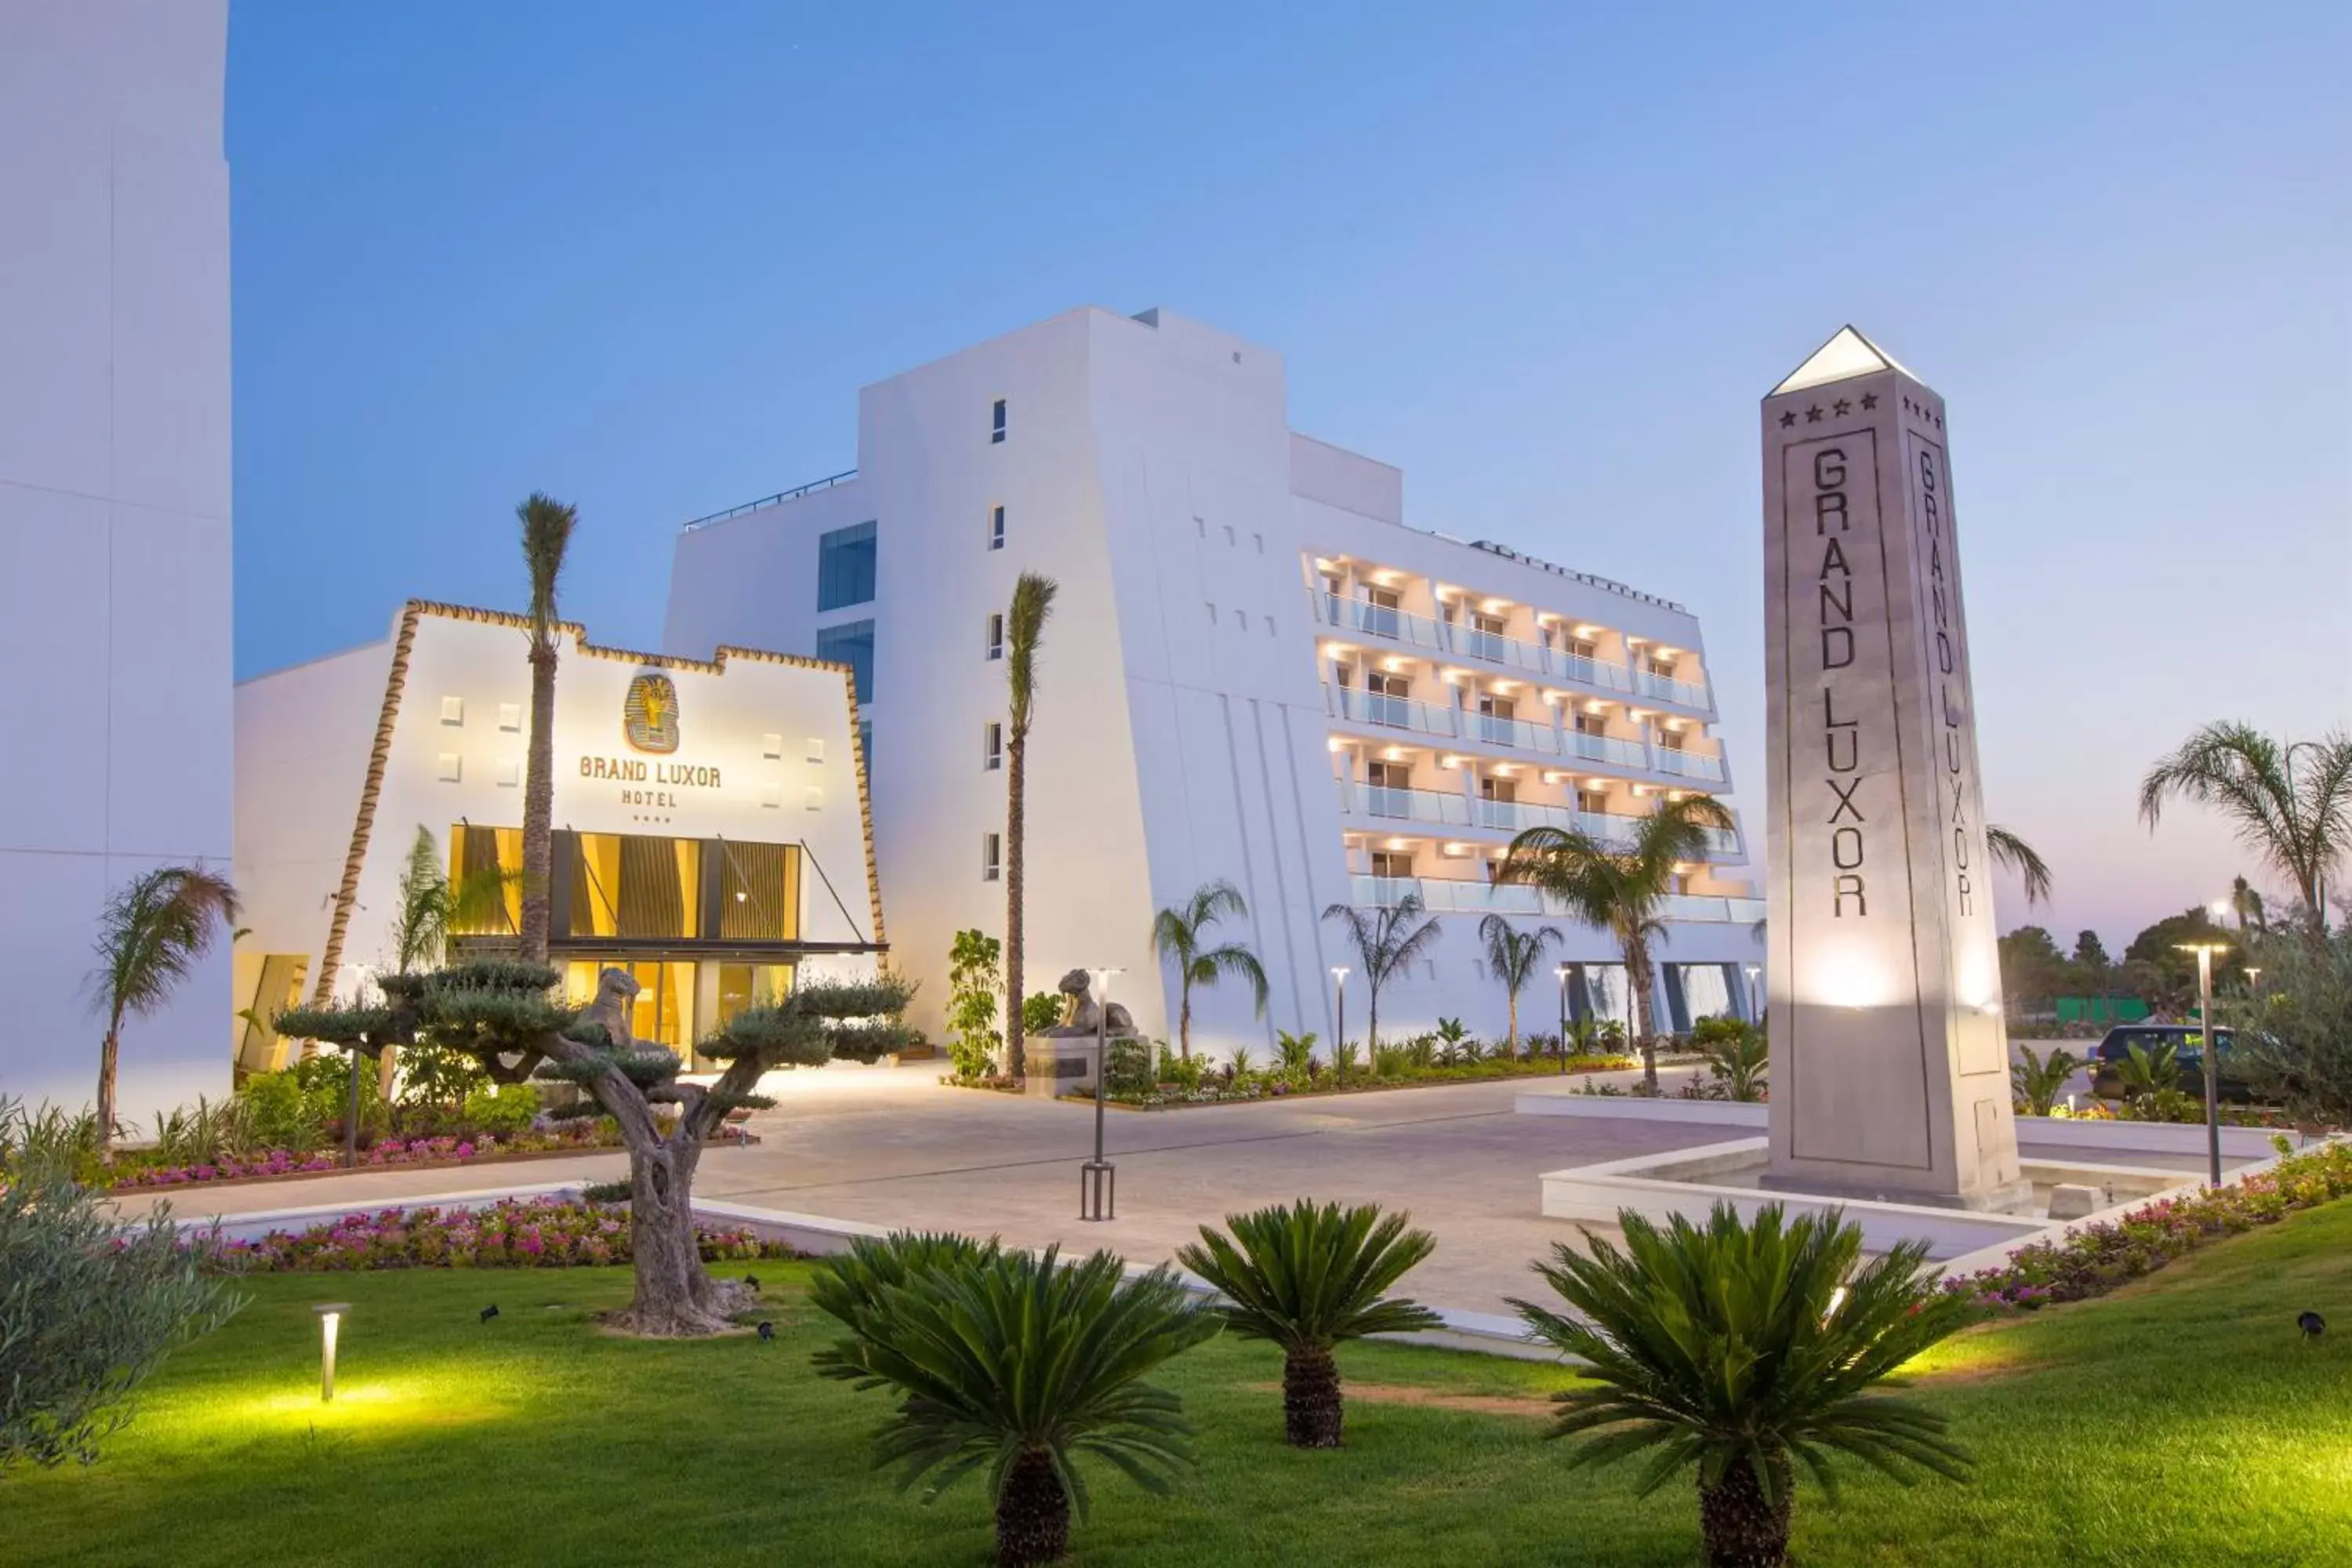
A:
(109, 1053)
(1739, 1528)
(1371, 1025)
(1638, 976)
(1184, 1023)
(1016, 779)
(1515, 1026)
(538, 802)
(1312, 1411)
(1033, 1513)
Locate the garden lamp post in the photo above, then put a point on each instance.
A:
(1097, 1179)
(2211, 1052)
(1340, 990)
(331, 1318)
(1755, 1001)
(2254, 981)
(1563, 972)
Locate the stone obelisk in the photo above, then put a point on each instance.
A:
(1890, 1058)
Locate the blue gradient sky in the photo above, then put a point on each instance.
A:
(1544, 259)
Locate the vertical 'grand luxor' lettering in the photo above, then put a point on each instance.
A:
(1841, 737)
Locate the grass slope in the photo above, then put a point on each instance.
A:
(2178, 1422)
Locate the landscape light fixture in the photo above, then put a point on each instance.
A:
(1097, 1180)
(2211, 1040)
(1563, 972)
(1755, 1001)
(2254, 981)
(1340, 1037)
(331, 1319)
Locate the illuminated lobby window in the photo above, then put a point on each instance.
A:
(486, 872)
(626, 884)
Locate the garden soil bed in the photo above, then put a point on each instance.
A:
(364, 1168)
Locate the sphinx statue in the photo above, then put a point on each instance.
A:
(1082, 1015)
(616, 989)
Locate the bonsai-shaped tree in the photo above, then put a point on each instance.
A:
(501, 1012)
(2290, 804)
(1306, 1276)
(547, 525)
(1178, 934)
(1621, 890)
(153, 931)
(89, 1308)
(1025, 631)
(1513, 956)
(1734, 1349)
(1015, 1363)
(1385, 940)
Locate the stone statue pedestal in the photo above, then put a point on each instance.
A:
(1060, 1064)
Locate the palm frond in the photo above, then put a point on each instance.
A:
(1309, 1275)
(1024, 632)
(547, 526)
(2008, 849)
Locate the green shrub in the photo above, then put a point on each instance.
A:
(279, 1116)
(505, 1111)
(1296, 1052)
(1422, 1051)
(1129, 1070)
(1042, 1012)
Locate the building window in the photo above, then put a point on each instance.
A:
(865, 745)
(844, 567)
(1391, 863)
(996, 528)
(996, 637)
(991, 855)
(996, 424)
(851, 644)
(992, 746)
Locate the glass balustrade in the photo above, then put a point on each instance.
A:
(1606, 749)
(1494, 647)
(1683, 693)
(1447, 809)
(1395, 712)
(1688, 764)
(1449, 895)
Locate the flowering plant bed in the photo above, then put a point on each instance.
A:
(2091, 1261)
(1255, 1086)
(419, 1153)
(538, 1233)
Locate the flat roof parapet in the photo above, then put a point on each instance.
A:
(795, 493)
(1608, 583)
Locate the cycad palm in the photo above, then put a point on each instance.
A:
(1020, 1364)
(1025, 631)
(2291, 803)
(1513, 956)
(1620, 890)
(1385, 940)
(1735, 1348)
(1306, 1276)
(1178, 934)
(547, 525)
(151, 934)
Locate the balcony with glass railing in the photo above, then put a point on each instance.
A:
(1687, 765)
(1445, 808)
(1606, 749)
(1448, 895)
(1666, 688)
(1492, 647)
(1390, 713)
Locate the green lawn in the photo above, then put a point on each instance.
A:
(2179, 1422)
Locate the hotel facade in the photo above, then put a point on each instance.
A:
(712, 832)
(1255, 670)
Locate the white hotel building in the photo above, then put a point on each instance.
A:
(1255, 670)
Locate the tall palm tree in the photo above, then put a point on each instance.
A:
(1306, 1276)
(1513, 958)
(1385, 942)
(2014, 853)
(1178, 933)
(1620, 890)
(547, 525)
(1015, 1363)
(2290, 803)
(153, 929)
(1033, 601)
(1741, 1348)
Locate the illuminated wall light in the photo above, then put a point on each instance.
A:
(1337, 744)
(331, 1319)
(1586, 631)
(1596, 706)
(1495, 606)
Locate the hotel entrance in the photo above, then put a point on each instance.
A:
(678, 1002)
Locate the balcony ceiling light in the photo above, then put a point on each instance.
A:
(1495, 606)
(1635, 641)
(1393, 754)
(1501, 685)
(1597, 784)
(1337, 744)
(1396, 843)
(1384, 578)
(1669, 652)
(1587, 630)
(1596, 706)
(1393, 664)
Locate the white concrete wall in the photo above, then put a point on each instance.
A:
(114, 519)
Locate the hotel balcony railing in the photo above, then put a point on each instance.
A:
(1446, 809)
(1448, 636)
(1606, 749)
(1447, 895)
(1395, 712)
(1688, 764)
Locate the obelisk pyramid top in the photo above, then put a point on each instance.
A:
(1845, 356)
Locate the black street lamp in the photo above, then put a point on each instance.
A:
(1339, 989)
(1098, 1178)
(1562, 973)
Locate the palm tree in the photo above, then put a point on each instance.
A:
(1385, 940)
(1513, 959)
(1033, 601)
(2015, 853)
(1306, 1276)
(2290, 803)
(1178, 933)
(1017, 1362)
(1620, 890)
(153, 929)
(1736, 1348)
(547, 525)
(431, 908)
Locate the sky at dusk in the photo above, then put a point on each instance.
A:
(1544, 259)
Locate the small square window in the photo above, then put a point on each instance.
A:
(996, 528)
(996, 424)
(992, 746)
(771, 796)
(813, 798)
(815, 751)
(453, 768)
(772, 748)
(996, 637)
(510, 716)
(991, 856)
(509, 772)
(452, 710)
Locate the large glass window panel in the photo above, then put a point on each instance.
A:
(486, 880)
(663, 1011)
(743, 985)
(759, 891)
(634, 886)
(844, 567)
(853, 645)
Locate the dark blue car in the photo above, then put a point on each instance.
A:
(2186, 1041)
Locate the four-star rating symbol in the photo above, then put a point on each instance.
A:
(1926, 415)
(1842, 407)
(1788, 417)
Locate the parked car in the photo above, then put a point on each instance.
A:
(2186, 1040)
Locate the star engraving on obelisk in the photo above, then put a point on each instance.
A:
(1788, 417)
(1841, 408)
(1869, 401)
(1813, 414)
